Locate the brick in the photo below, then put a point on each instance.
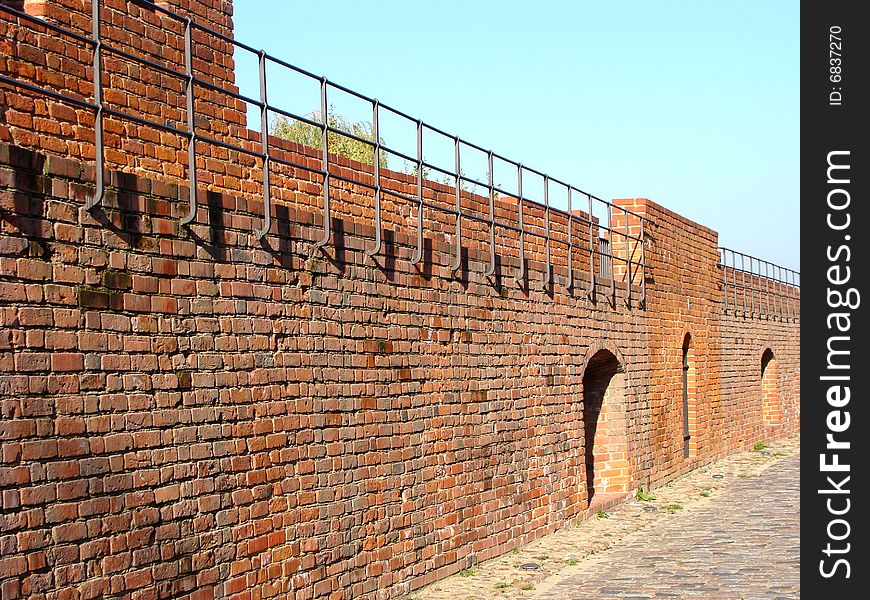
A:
(32, 361)
(117, 280)
(67, 361)
(137, 303)
(93, 298)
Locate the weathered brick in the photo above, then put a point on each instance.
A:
(93, 298)
(67, 361)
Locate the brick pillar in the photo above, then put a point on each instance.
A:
(624, 247)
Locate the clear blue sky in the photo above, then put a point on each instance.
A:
(692, 104)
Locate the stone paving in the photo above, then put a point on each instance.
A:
(727, 530)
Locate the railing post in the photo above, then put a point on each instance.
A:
(324, 116)
(610, 250)
(522, 248)
(376, 166)
(418, 256)
(100, 190)
(457, 259)
(724, 277)
(780, 294)
(264, 143)
(591, 291)
(570, 283)
(794, 280)
(628, 255)
(547, 268)
(751, 286)
(191, 122)
(490, 270)
(734, 274)
(642, 261)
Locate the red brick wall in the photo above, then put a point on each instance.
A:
(684, 290)
(201, 414)
(743, 344)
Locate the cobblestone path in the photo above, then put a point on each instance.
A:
(726, 531)
(744, 544)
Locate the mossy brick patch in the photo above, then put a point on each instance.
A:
(92, 297)
(117, 280)
(98, 297)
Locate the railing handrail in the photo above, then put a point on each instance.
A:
(773, 293)
(194, 137)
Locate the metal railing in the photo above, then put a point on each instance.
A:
(757, 288)
(634, 266)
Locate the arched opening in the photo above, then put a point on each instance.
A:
(606, 442)
(689, 396)
(771, 413)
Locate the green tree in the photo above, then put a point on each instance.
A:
(310, 135)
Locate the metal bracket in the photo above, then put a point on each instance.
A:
(457, 259)
(191, 122)
(610, 250)
(590, 293)
(376, 167)
(100, 190)
(642, 264)
(490, 270)
(628, 254)
(264, 142)
(418, 256)
(522, 246)
(570, 281)
(324, 117)
(547, 268)
(784, 297)
(734, 273)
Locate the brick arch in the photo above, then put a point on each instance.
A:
(771, 405)
(606, 399)
(603, 344)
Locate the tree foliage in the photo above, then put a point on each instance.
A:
(342, 145)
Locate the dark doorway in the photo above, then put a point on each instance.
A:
(606, 444)
(770, 409)
(687, 428)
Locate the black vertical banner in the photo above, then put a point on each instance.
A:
(835, 301)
